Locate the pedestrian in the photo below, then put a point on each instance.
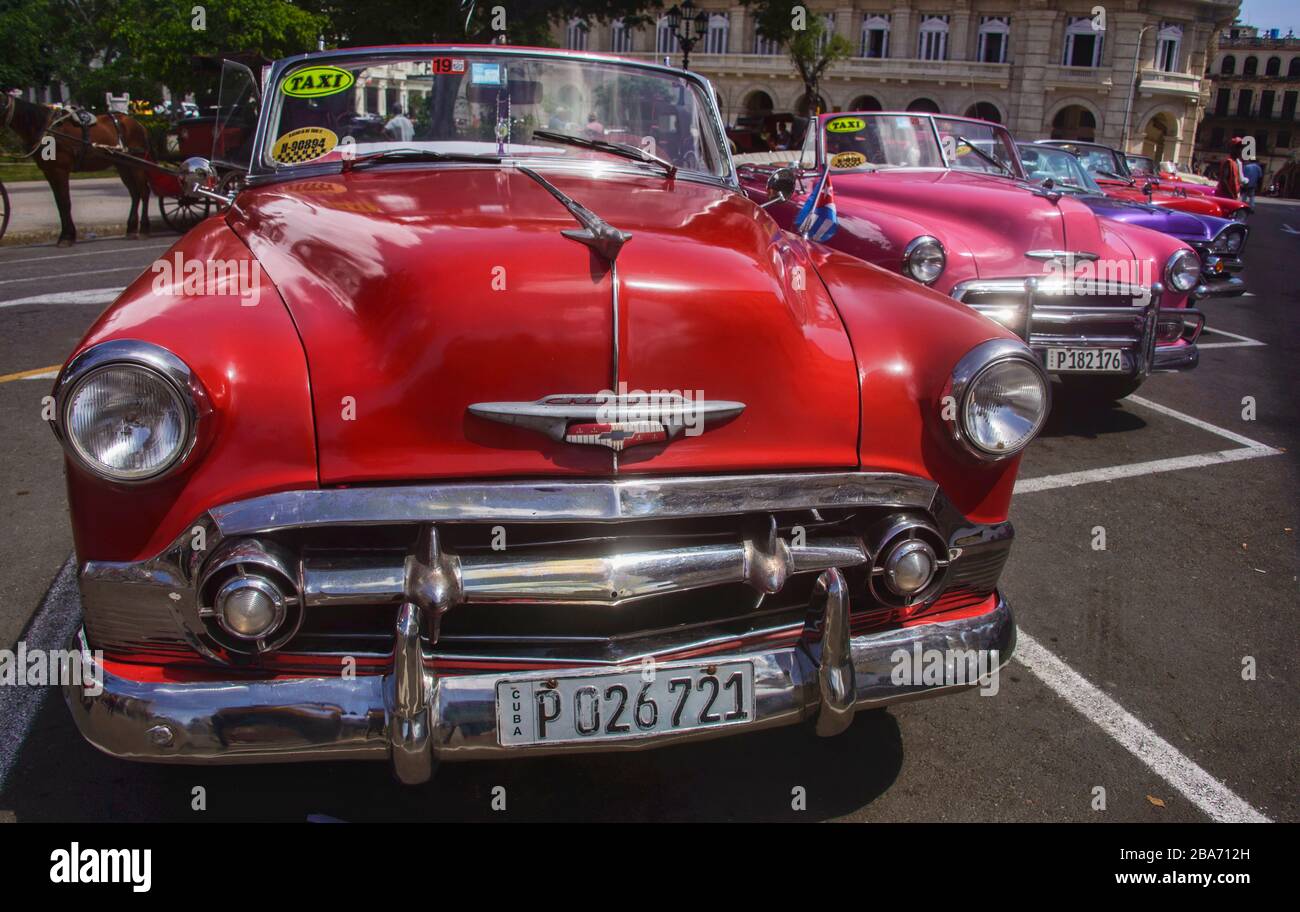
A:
(1252, 175)
(399, 127)
(1230, 177)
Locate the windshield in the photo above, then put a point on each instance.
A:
(1140, 164)
(1042, 162)
(880, 140)
(489, 104)
(964, 141)
(1099, 161)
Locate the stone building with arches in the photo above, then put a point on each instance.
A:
(1254, 87)
(1046, 68)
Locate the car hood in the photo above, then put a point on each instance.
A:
(418, 292)
(995, 219)
(1186, 226)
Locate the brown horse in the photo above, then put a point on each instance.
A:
(33, 122)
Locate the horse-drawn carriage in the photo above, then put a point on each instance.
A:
(61, 141)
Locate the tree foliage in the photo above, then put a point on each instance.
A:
(138, 46)
(803, 32)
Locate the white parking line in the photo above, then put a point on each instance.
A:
(66, 256)
(1214, 798)
(1242, 341)
(86, 296)
(1250, 449)
(70, 275)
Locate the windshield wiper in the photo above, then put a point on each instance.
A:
(398, 155)
(621, 149)
(984, 155)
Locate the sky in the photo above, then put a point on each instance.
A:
(1267, 14)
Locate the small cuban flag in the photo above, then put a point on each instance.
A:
(817, 219)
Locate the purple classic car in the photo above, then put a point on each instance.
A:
(1218, 241)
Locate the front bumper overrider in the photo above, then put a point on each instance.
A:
(415, 718)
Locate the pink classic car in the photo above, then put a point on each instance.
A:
(946, 201)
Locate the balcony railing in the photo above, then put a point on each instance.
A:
(1166, 83)
(959, 71)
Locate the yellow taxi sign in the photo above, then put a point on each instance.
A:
(846, 125)
(303, 145)
(316, 82)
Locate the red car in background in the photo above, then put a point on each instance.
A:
(946, 201)
(1109, 168)
(526, 442)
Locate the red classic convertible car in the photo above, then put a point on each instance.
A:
(524, 439)
(946, 201)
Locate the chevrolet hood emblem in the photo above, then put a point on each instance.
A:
(609, 420)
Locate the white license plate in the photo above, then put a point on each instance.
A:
(624, 705)
(1088, 360)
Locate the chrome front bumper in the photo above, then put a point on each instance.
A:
(415, 718)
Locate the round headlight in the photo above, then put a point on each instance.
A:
(1232, 239)
(1005, 405)
(1183, 271)
(924, 259)
(126, 422)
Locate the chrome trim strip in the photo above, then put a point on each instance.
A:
(541, 575)
(334, 718)
(562, 500)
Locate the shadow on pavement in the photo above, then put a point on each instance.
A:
(59, 777)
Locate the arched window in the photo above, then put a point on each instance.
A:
(1273, 67)
(575, 35)
(1082, 43)
(1229, 65)
(932, 38)
(1250, 67)
(985, 110)
(993, 35)
(923, 106)
(715, 40)
(1169, 41)
(1293, 70)
(875, 36)
(865, 103)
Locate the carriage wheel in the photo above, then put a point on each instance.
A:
(4, 209)
(182, 214)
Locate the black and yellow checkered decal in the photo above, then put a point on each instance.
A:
(303, 145)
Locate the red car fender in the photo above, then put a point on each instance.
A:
(257, 436)
(907, 339)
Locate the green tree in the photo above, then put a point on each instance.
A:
(527, 22)
(804, 34)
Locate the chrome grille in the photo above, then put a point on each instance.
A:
(577, 590)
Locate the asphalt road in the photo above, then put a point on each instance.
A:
(1129, 676)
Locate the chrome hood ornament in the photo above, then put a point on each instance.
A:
(610, 420)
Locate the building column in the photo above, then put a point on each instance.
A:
(1122, 31)
(736, 43)
(1030, 56)
(960, 27)
(902, 34)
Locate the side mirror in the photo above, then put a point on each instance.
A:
(1149, 187)
(781, 184)
(198, 179)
